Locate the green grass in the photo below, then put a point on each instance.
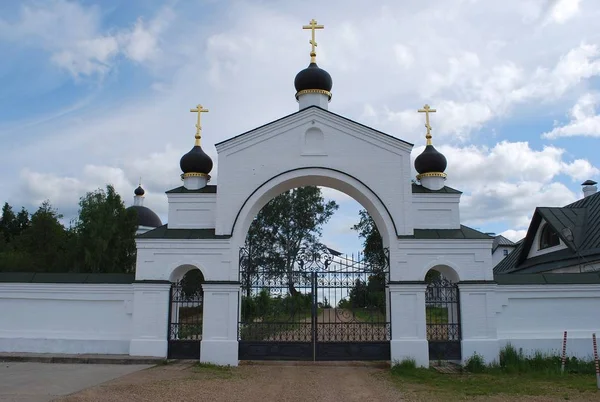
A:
(436, 315)
(369, 316)
(516, 374)
(213, 371)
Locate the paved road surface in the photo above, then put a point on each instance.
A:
(41, 382)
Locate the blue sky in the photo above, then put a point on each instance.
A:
(96, 92)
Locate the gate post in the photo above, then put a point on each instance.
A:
(478, 319)
(150, 318)
(409, 335)
(220, 323)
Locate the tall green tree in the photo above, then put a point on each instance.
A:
(288, 224)
(105, 233)
(374, 252)
(44, 240)
(9, 227)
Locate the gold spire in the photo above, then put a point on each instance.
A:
(427, 109)
(199, 109)
(312, 25)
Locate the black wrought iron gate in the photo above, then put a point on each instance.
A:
(442, 307)
(324, 307)
(185, 320)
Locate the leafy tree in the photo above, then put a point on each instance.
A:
(374, 253)
(106, 232)
(23, 221)
(288, 224)
(44, 239)
(9, 227)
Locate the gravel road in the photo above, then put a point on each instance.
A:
(183, 382)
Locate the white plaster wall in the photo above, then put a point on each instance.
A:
(65, 318)
(533, 317)
(498, 254)
(257, 157)
(436, 211)
(471, 259)
(192, 211)
(157, 259)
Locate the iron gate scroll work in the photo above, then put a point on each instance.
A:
(325, 306)
(442, 307)
(185, 320)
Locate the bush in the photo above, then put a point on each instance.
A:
(475, 364)
(515, 361)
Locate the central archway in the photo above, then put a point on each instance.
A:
(336, 307)
(313, 176)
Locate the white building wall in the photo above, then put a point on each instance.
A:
(65, 318)
(436, 211)
(501, 253)
(533, 317)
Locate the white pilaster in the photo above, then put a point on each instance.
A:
(220, 324)
(409, 335)
(150, 319)
(478, 320)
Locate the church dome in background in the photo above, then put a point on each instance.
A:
(139, 191)
(430, 161)
(196, 161)
(313, 79)
(146, 217)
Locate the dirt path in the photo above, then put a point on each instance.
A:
(183, 382)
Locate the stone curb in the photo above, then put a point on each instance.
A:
(80, 360)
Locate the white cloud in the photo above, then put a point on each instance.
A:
(584, 119)
(72, 34)
(563, 10)
(514, 235)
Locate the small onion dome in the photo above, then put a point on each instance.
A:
(196, 162)
(313, 80)
(146, 217)
(430, 161)
(139, 191)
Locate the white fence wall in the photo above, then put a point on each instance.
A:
(534, 317)
(65, 318)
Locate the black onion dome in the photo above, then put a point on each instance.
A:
(313, 77)
(139, 191)
(146, 217)
(430, 161)
(196, 161)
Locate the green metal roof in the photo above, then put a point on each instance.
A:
(163, 232)
(582, 218)
(418, 189)
(209, 189)
(464, 232)
(46, 277)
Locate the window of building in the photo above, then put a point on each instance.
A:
(505, 251)
(548, 237)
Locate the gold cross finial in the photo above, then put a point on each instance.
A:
(312, 25)
(199, 109)
(427, 109)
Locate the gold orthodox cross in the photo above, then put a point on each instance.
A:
(199, 109)
(427, 109)
(312, 25)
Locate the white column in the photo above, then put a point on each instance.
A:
(409, 335)
(220, 323)
(150, 319)
(478, 320)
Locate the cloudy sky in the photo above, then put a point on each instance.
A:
(99, 92)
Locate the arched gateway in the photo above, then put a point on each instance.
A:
(419, 222)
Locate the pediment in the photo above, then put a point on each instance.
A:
(316, 132)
